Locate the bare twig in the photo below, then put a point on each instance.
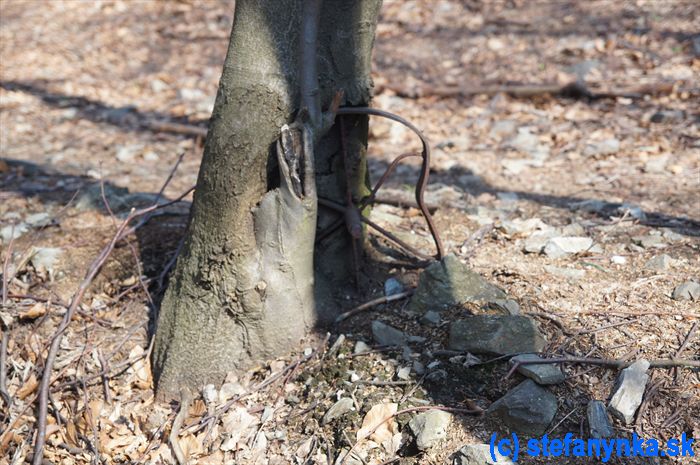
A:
(176, 128)
(185, 398)
(3, 368)
(6, 267)
(616, 363)
(94, 269)
(372, 303)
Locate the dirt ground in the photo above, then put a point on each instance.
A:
(85, 87)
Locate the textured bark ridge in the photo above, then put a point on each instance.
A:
(243, 288)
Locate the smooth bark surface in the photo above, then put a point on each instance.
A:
(243, 288)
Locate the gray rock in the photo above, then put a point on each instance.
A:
(404, 373)
(629, 391)
(429, 427)
(573, 229)
(689, 290)
(598, 420)
(668, 116)
(387, 335)
(46, 258)
(671, 235)
(541, 374)
(430, 318)
(558, 247)
(494, 334)
(603, 147)
(38, 219)
(449, 282)
(338, 409)
(504, 306)
(633, 211)
(502, 128)
(536, 242)
(479, 454)
(649, 242)
(568, 273)
(361, 347)
(659, 263)
(526, 409)
(7, 233)
(392, 286)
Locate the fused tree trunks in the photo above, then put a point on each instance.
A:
(243, 288)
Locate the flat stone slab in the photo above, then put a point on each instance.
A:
(388, 335)
(527, 409)
(496, 334)
(430, 427)
(629, 391)
(542, 374)
(450, 282)
(598, 420)
(558, 247)
(479, 454)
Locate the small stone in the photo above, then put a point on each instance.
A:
(598, 420)
(659, 263)
(649, 242)
(633, 211)
(671, 235)
(361, 347)
(522, 227)
(418, 368)
(37, 220)
(504, 306)
(603, 147)
(430, 318)
(10, 232)
(404, 373)
(387, 335)
(230, 390)
(618, 259)
(340, 408)
(573, 229)
(542, 374)
(429, 427)
(536, 242)
(392, 286)
(495, 334)
(527, 409)
(209, 394)
(127, 153)
(629, 391)
(450, 282)
(559, 247)
(479, 454)
(568, 273)
(667, 116)
(689, 290)
(46, 258)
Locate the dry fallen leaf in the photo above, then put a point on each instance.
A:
(379, 417)
(28, 387)
(37, 310)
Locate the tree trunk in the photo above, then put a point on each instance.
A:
(243, 288)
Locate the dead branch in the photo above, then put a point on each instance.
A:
(615, 363)
(372, 303)
(185, 398)
(176, 128)
(3, 369)
(95, 267)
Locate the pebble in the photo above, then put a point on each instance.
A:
(340, 408)
(392, 286)
(649, 241)
(496, 334)
(618, 259)
(542, 374)
(568, 273)
(559, 247)
(603, 147)
(598, 420)
(388, 335)
(629, 391)
(404, 373)
(429, 428)
(430, 318)
(659, 263)
(527, 409)
(479, 454)
(361, 347)
(689, 290)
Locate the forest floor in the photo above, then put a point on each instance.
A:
(85, 85)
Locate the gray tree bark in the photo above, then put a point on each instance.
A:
(245, 288)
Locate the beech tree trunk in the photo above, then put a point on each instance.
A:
(245, 288)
